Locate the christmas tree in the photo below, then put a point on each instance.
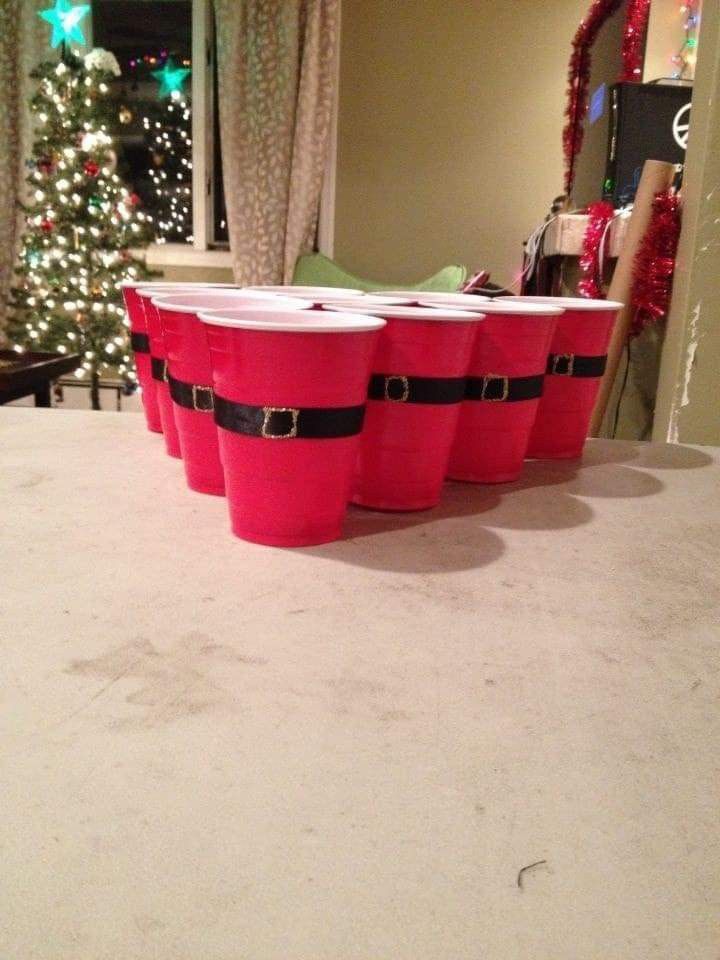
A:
(80, 221)
(167, 131)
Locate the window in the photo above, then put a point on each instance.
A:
(168, 141)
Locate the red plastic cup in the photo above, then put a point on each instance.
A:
(158, 356)
(283, 381)
(458, 301)
(141, 348)
(190, 373)
(416, 391)
(574, 371)
(493, 429)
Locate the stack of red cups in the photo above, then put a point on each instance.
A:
(575, 366)
(290, 391)
(414, 398)
(189, 373)
(506, 377)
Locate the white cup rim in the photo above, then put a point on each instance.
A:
(149, 289)
(293, 321)
(189, 302)
(569, 303)
(439, 314)
(497, 306)
(173, 283)
(371, 299)
(447, 296)
(308, 293)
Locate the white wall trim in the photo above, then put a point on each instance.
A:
(326, 218)
(201, 123)
(183, 255)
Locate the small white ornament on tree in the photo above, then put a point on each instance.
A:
(99, 59)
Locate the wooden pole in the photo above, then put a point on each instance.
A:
(656, 176)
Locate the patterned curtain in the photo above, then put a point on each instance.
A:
(276, 66)
(23, 43)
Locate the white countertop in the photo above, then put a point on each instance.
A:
(211, 750)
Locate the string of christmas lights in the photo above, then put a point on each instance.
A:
(684, 59)
(170, 146)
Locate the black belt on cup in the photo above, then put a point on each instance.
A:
(192, 396)
(287, 423)
(158, 368)
(140, 342)
(573, 365)
(496, 388)
(400, 389)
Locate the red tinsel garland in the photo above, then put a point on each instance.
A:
(579, 68)
(633, 45)
(579, 80)
(600, 214)
(655, 263)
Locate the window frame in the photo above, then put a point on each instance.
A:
(203, 252)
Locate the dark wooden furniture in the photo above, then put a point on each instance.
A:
(22, 374)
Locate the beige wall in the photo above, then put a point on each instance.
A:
(197, 274)
(449, 133)
(665, 37)
(688, 398)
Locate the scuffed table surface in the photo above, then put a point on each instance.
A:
(212, 750)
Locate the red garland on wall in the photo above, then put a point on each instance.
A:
(579, 80)
(655, 263)
(579, 68)
(633, 45)
(599, 214)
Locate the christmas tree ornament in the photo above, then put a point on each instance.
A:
(104, 60)
(47, 226)
(125, 115)
(65, 20)
(171, 78)
(91, 168)
(110, 163)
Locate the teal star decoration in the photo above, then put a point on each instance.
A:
(65, 21)
(171, 78)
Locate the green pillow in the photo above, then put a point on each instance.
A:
(316, 270)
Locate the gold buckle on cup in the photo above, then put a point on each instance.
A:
(494, 378)
(403, 381)
(202, 399)
(267, 414)
(569, 359)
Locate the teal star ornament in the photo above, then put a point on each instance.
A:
(171, 78)
(65, 21)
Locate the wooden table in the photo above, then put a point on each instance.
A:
(23, 374)
(487, 731)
